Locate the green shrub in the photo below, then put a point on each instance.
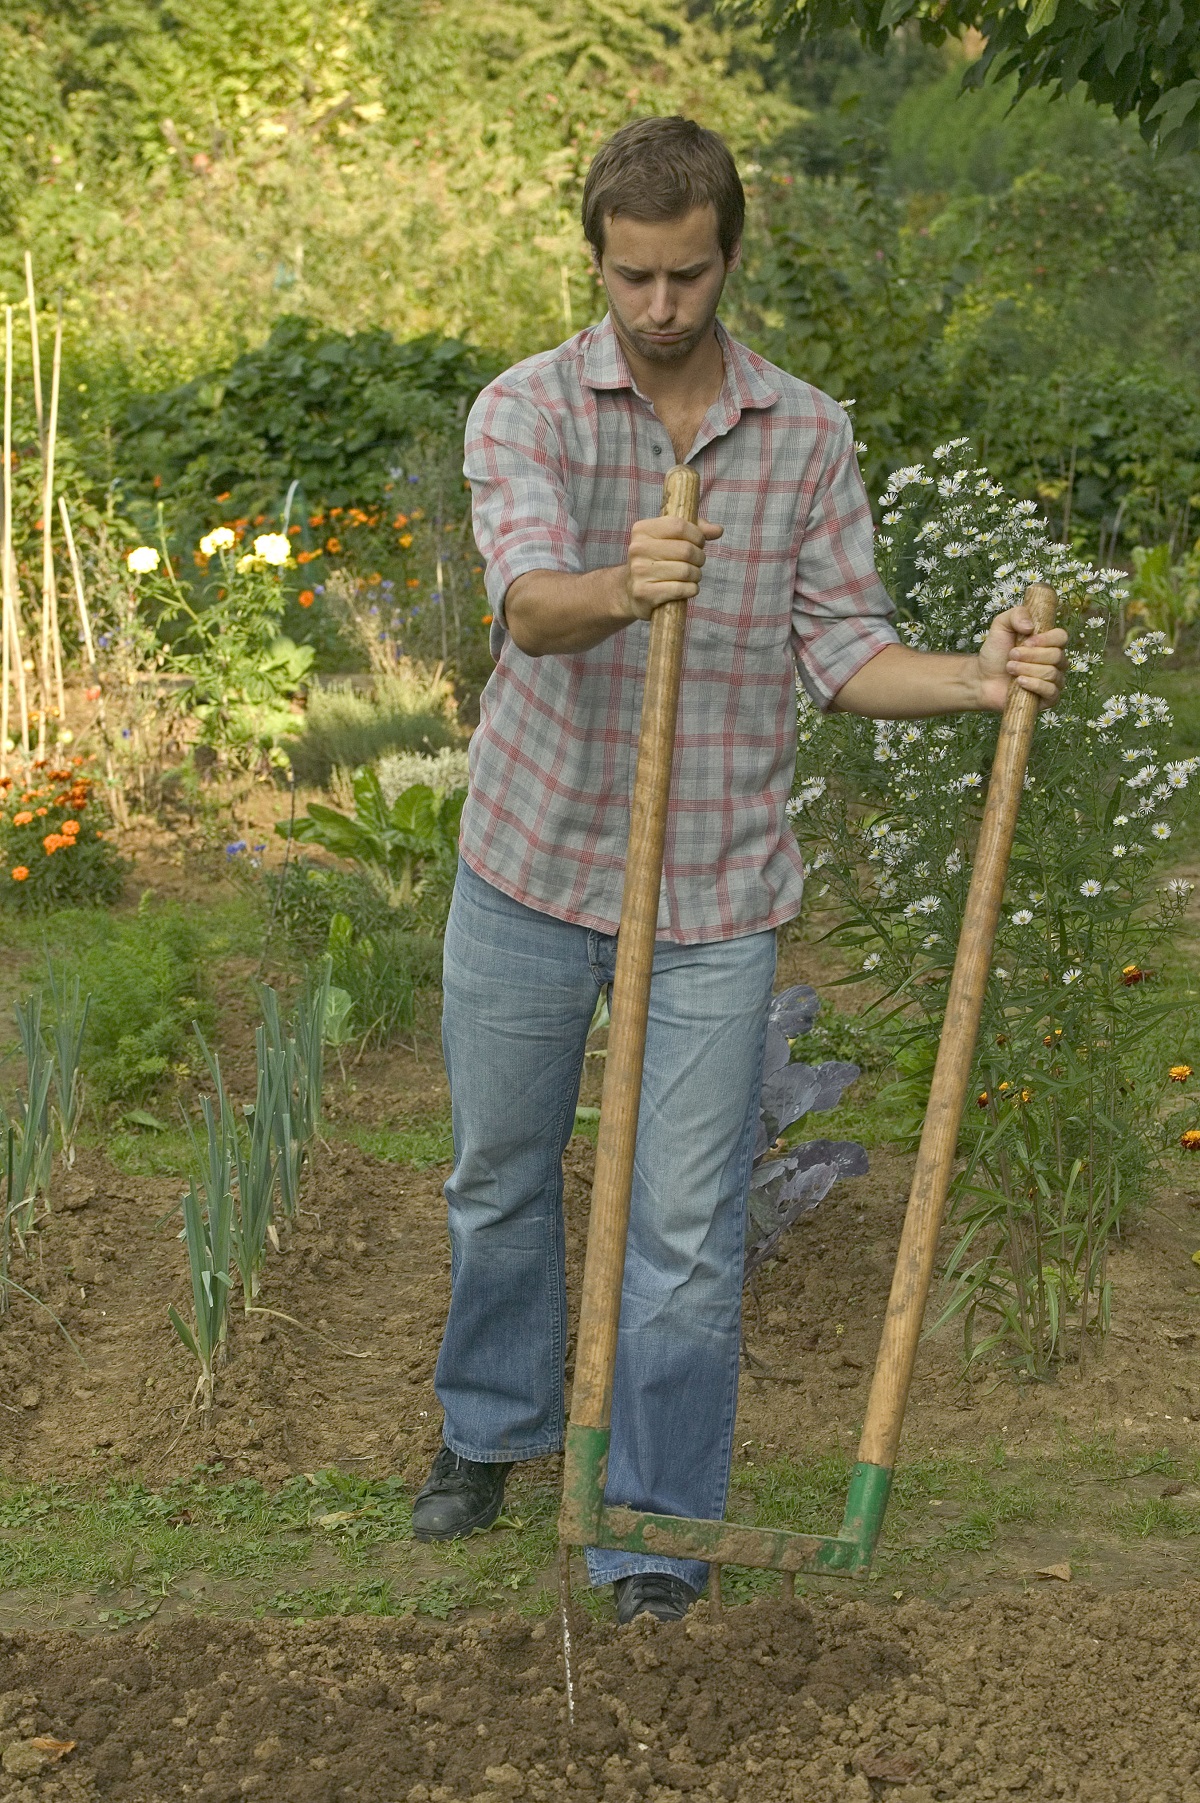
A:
(344, 729)
(54, 852)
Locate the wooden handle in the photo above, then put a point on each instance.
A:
(604, 1266)
(952, 1072)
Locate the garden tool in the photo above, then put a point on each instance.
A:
(586, 1519)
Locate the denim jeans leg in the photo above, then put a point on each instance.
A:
(520, 992)
(675, 1389)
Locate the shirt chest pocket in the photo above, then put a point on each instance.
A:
(742, 617)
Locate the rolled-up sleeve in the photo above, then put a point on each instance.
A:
(519, 506)
(842, 614)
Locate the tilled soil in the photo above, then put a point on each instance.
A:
(1043, 1696)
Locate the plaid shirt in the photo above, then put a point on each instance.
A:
(563, 454)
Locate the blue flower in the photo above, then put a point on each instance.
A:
(105, 640)
(125, 733)
(387, 585)
(319, 589)
(260, 847)
(232, 850)
(414, 478)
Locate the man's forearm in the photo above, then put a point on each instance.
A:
(901, 684)
(550, 614)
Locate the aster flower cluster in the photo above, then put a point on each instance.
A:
(896, 825)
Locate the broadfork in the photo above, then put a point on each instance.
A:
(586, 1519)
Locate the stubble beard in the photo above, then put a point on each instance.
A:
(651, 352)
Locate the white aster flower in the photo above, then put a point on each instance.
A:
(871, 961)
(1022, 917)
(954, 863)
(1160, 830)
(144, 560)
(1120, 851)
(1071, 976)
(930, 940)
(1090, 887)
(272, 547)
(1121, 820)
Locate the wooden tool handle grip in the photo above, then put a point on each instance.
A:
(948, 1092)
(604, 1266)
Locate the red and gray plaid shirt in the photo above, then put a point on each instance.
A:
(563, 455)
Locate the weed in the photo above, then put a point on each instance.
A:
(420, 1146)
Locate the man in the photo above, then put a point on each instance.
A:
(566, 455)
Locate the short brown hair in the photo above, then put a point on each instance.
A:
(661, 169)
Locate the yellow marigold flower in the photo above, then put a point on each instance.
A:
(1179, 1073)
(272, 547)
(219, 539)
(143, 561)
(1190, 1141)
(405, 540)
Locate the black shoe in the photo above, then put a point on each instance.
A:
(460, 1497)
(654, 1593)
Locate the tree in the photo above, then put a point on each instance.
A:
(1137, 56)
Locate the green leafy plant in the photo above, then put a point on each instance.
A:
(395, 846)
(1069, 1078)
(382, 974)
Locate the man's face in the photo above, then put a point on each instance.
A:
(664, 279)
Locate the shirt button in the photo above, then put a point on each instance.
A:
(658, 450)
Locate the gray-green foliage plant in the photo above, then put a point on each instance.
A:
(1069, 1071)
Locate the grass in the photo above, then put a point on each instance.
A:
(333, 1543)
(421, 1145)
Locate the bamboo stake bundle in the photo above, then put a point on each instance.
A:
(10, 630)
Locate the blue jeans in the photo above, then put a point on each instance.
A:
(520, 991)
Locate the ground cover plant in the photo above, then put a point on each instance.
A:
(1072, 1065)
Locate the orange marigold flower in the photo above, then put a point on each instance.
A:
(292, 531)
(486, 620)
(223, 497)
(335, 513)
(400, 521)
(41, 811)
(306, 597)
(19, 873)
(1190, 1141)
(405, 540)
(22, 819)
(316, 519)
(53, 842)
(333, 544)
(982, 1098)
(306, 556)
(1179, 1073)
(70, 828)
(413, 582)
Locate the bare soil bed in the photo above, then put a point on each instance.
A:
(1045, 1696)
(1008, 1688)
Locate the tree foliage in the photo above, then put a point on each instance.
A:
(1137, 56)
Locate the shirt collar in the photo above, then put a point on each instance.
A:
(746, 383)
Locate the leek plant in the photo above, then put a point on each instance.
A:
(71, 1009)
(34, 1144)
(208, 1235)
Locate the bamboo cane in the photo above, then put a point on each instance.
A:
(11, 618)
(604, 1266)
(952, 1072)
(35, 349)
(51, 638)
(115, 796)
